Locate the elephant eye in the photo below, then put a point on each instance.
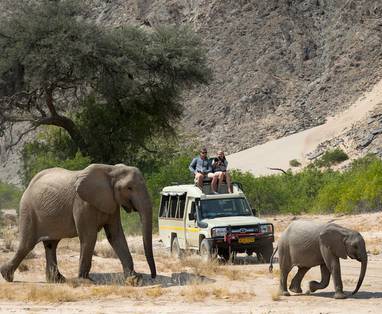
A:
(129, 188)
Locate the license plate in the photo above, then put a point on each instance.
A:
(246, 240)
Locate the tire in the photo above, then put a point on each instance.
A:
(264, 253)
(176, 251)
(224, 254)
(206, 251)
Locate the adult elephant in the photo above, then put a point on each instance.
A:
(59, 203)
(306, 244)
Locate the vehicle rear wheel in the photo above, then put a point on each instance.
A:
(264, 253)
(176, 251)
(206, 251)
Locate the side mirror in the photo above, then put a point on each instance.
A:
(254, 211)
(191, 216)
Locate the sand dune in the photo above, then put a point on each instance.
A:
(278, 153)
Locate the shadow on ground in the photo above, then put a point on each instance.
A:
(176, 279)
(362, 295)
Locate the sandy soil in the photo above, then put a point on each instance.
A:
(278, 153)
(189, 285)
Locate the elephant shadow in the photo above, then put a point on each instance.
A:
(361, 295)
(176, 279)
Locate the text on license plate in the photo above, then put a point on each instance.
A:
(246, 240)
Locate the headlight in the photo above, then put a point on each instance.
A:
(266, 228)
(218, 232)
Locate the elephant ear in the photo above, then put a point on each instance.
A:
(94, 185)
(333, 238)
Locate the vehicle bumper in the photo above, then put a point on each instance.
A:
(222, 243)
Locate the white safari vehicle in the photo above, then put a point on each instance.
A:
(195, 219)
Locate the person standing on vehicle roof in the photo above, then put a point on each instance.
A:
(201, 167)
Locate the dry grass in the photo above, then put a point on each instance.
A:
(375, 251)
(23, 267)
(103, 249)
(154, 292)
(233, 274)
(52, 293)
(275, 295)
(9, 235)
(197, 293)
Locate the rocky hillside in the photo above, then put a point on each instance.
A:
(280, 66)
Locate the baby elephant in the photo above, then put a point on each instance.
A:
(306, 244)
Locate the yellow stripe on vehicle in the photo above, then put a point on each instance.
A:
(179, 228)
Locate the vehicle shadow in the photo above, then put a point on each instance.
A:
(176, 279)
(245, 260)
(362, 295)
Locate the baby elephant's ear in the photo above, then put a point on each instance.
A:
(333, 238)
(94, 186)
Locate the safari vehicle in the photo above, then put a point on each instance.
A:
(221, 224)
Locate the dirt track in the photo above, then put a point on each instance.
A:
(245, 287)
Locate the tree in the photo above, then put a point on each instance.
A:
(58, 67)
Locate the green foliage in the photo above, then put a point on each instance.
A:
(52, 148)
(313, 190)
(357, 189)
(331, 157)
(294, 163)
(122, 86)
(9, 196)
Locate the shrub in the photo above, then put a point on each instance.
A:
(294, 163)
(331, 157)
(9, 195)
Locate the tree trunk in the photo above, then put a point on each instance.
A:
(63, 122)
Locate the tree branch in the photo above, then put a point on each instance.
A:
(278, 169)
(12, 144)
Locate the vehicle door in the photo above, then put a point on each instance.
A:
(191, 227)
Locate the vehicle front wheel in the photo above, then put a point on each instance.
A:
(264, 253)
(176, 251)
(206, 251)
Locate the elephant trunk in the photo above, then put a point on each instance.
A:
(146, 216)
(362, 273)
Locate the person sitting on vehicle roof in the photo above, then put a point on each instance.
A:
(201, 167)
(219, 168)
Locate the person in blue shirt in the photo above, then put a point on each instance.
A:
(201, 167)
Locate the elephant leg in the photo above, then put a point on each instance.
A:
(52, 272)
(117, 240)
(325, 277)
(333, 264)
(87, 244)
(26, 245)
(336, 272)
(285, 268)
(295, 285)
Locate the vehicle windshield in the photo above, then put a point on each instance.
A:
(224, 208)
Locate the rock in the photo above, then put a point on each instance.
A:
(9, 217)
(314, 155)
(377, 131)
(366, 142)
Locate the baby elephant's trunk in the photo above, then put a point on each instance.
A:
(362, 273)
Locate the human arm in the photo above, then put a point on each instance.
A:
(192, 166)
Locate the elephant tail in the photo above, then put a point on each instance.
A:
(273, 254)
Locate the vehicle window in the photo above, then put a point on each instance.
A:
(164, 206)
(225, 208)
(172, 206)
(181, 205)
